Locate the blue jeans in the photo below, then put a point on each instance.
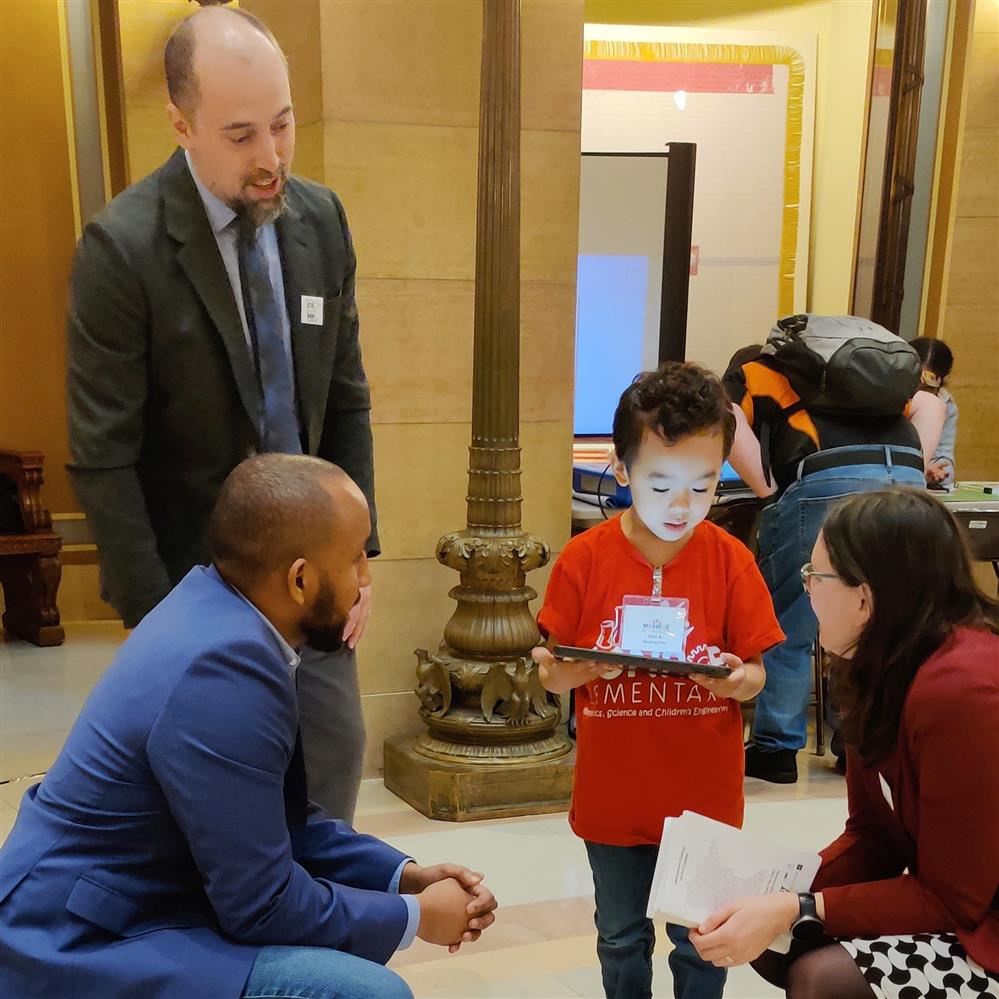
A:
(788, 529)
(320, 973)
(622, 880)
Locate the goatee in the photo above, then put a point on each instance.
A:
(321, 629)
(261, 213)
(324, 639)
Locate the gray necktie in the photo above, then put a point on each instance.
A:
(279, 430)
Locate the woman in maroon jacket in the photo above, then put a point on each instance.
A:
(906, 903)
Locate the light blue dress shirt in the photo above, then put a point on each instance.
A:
(221, 218)
(293, 659)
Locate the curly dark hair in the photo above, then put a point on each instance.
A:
(675, 401)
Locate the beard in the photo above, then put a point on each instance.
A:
(322, 628)
(262, 212)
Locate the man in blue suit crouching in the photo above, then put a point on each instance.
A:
(171, 851)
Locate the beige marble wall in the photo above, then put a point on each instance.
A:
(971, 314)
(399, 110)
(145, 26)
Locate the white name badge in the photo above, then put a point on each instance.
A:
(654, 626)
(312, 310)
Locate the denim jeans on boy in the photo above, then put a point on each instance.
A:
(320, 973)
(622, 880)
(788, 529)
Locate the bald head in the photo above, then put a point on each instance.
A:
(214, 37)
(231, 110)
(276, 508)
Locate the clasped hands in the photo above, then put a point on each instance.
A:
(455, 906)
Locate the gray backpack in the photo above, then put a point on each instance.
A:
(843, 365)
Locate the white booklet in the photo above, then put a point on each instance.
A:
(703, 864)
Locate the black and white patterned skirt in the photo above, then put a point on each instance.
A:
(923, 966)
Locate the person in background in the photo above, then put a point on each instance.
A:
(650, 745)
(906, 902)
(744, 355)
(938, 360)
(815, 458)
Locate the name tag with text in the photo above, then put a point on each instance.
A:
(312, 310)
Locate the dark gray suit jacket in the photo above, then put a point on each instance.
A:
(162, 391)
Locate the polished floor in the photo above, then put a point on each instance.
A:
(542, 946)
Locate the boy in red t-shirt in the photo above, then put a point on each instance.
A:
(651, 745)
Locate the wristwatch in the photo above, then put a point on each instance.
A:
(807, 928)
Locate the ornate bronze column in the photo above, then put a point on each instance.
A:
(492, 747)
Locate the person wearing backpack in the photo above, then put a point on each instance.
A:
(828, 408)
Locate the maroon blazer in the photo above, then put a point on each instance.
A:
(920, 852)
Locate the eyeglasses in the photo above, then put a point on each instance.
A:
(808, 574)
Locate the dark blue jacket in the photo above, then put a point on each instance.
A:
(155, 859)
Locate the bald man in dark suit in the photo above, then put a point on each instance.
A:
(213, 317)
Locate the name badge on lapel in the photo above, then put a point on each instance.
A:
(312, 310)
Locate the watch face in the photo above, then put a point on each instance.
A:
(808, 929)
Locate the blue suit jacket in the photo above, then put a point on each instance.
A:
(155, 858)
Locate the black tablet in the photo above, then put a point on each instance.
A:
(626, 661)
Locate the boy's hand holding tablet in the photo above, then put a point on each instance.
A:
(562, 675)
(734, 685)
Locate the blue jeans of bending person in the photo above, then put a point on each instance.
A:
(788, 529)
(320, 973)
(622, 880)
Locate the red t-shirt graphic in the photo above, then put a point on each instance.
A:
(651, 745)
